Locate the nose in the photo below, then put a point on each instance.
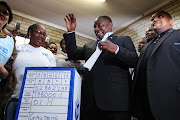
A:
(96, 28)
(156, 19)
(1, 13)
(41, 35)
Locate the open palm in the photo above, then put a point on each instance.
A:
(70, 22)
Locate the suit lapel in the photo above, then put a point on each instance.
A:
(161, 40)
(111, 37)
(156, 47)
(94, 45)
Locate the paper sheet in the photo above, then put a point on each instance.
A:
(91, 61)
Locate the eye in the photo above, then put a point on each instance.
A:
(5, 12)
(152, 19)
(160, 16)
(44, 34)
(102, 25)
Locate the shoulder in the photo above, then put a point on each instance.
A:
(121, 37)
(60, 56)
(91, 43)
(46, 52)
(22, 47)
(9, 39)
(176, 30)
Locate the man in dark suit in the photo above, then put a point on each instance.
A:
(150, 34)
(105, 89)
(156, 94)
(141, 43)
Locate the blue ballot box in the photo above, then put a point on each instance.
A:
(49, 94)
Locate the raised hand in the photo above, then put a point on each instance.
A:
(70, 22)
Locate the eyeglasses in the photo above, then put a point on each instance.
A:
(53, 48)
(4, 12)
(40, 33)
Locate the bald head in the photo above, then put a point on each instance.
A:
(150, 34)
(102, 25)
(142, 42)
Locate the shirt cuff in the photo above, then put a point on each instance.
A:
(117, 50)
(69, 32)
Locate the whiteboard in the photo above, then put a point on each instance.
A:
(49, 94)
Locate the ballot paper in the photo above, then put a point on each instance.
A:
(91, 61)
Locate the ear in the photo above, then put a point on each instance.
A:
(171, 21)
(29, 34)
(111, 25)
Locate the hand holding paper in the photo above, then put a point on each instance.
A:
(91, 61)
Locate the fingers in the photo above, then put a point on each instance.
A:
(102, 45)
(108, 45)
(73, 18)
(65, 20)
(70, 18)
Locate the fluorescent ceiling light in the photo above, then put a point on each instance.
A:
(102, 0)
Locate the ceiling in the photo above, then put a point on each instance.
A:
(122, 12)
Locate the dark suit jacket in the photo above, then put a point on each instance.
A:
(163, 80)
(107, 82)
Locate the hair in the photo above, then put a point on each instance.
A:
(61, 42)
(164, 13)
(9, 10)
(33, 27)
(52, 43)
(104, 17)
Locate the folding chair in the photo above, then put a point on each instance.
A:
(10, 109)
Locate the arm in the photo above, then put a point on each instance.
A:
(70, 40)
(3, 72)
(14, 33)
(127, 52)
(6, 32)
(73, 52)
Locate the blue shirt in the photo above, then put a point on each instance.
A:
(6, 49)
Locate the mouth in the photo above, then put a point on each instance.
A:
(156, 23)
(98, 34)
(139, 49)
(148, 35)
(1, 18)
(39, 41)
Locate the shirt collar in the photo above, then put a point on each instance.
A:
(98, 40)
(160, 35)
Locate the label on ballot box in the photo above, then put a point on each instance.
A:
(50, 94)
